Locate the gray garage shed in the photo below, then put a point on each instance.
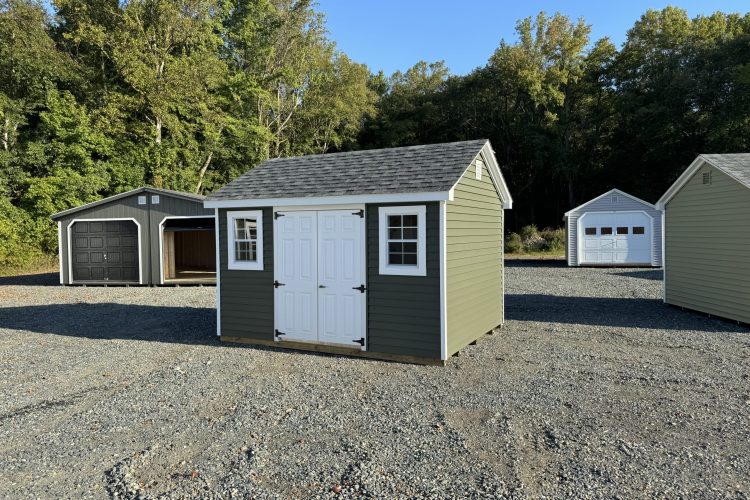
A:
(707, 237)
(614, 229)
(146, 236)
(391, 253)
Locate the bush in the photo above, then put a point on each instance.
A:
(531, 240)
(17, 246)
(513, 243)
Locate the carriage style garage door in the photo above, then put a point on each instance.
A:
(615, 238)
(319, 273)
(104, 251)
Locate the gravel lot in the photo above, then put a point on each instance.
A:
(593, 388)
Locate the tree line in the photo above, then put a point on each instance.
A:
(101, 96)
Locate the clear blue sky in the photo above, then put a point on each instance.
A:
(394, 34)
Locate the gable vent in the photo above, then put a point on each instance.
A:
(706, 177)
(615, 199)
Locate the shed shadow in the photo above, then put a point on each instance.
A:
(611, 311)
(110, 321)
(39, 279)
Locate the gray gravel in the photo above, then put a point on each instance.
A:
(592, 389)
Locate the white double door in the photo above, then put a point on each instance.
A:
(319, 270)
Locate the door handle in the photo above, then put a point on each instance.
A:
(321, 286)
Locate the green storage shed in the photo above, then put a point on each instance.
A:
(391, 253)
(707, 237)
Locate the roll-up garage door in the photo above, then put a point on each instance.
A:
(105, 251)
(615, 238)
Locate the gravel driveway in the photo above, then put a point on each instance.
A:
(593, 388)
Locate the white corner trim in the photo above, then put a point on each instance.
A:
(70, 245)
(402, 270)
(443, 288)
(218, 274)
(330, 200)
(60, 251)
(161, 239)
(664, 255)
(232, 264)
(610, 192)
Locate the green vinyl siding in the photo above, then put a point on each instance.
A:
(246, 297)
(403, 312)
(707, 246)
(474, 260)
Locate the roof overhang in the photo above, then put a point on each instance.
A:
(611, 191)
(497, 176)
(331, 200)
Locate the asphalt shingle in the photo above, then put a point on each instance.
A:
(412, 169)
(736, 165)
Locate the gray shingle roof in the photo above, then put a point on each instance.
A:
(145, 189)
(412, 169)
(735, 165)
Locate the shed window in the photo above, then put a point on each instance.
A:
(402, 240)
(639, 230)
(141, 200)
(590, 231)
(155, 199)
(606, 230)
(622, 230)
(245, 240)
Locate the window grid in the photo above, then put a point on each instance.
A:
(402, 241)
(245, 239)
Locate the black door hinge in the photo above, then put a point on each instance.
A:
(361, 288)
(278, 333)
(361, 214)
(276, 215)
(276, 284)
(360, 341)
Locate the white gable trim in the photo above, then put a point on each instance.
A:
(688, 174)
(331, 200)
(610, 192)
(488, 155)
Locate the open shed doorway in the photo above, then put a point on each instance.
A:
(188, 250)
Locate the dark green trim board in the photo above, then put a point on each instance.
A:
(246, 296)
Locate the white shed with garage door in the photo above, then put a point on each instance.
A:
(614, 229)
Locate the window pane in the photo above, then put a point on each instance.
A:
(410, 258)
(395, 258)
(590, 231)
(606, 230)
(410, 247)
(410, 233)
(639, 230)
(410, 221)
(622, 230)
(394, 234)
(395, 248)
(394, 221)
(244, 251)
(245, 229)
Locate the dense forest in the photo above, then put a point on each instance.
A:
(101, 96)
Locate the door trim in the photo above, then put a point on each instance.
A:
(70, 248)
(579, 234)
(363, 236)
(161, 238)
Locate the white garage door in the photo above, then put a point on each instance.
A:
(615, 238)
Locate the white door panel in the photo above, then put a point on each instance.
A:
(340, 272)
(296, 275)
(624, 247)
(320, 265)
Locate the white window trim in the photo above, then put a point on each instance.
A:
(402, 270)
(244, 265)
